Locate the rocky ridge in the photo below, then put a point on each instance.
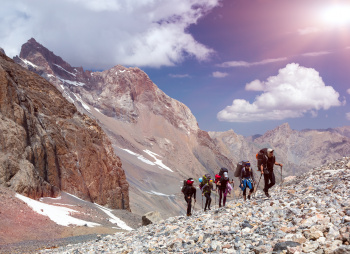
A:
(48, 146)
(308, 214)
(299, 151)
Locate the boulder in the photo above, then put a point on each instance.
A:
(150, 218)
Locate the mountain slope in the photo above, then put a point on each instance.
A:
(310, 214)
(156, 137)
(47, 145)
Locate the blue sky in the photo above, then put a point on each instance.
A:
(246, 65)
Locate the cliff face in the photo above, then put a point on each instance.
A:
(47, 145)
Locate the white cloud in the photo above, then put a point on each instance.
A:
(218, 74)
(347, 116)
(348, 91)
(295, 91)
(100, 34)
(319, 53)
(248, 64)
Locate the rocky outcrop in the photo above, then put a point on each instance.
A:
(47, 145)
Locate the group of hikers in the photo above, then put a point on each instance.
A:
(265, 162)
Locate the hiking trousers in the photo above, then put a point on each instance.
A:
(189, 204)
(269, 181)
(222, 195)
(207, 200)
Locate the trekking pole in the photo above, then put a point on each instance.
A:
(202, 202)
(257, 185)
(281, 179)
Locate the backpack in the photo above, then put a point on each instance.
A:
(187, 185)
(222, 171)
(261, 157)
(206, 178)
(205, 181)
(240, 166)
(217, 178)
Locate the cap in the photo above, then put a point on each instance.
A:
(269, 150)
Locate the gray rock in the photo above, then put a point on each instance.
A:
(151, 218)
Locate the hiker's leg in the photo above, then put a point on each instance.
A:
(220, 197)
(244, 192)
(266, 180)
(189, 204)
(209, 201)
(224, 201)
(272, 180)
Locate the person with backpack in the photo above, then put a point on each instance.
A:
(247, 180)
(189, 190)
(222, 185)
(267, 162)
(206, 186)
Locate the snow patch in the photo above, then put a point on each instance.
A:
(157, 161)
(58, 214)
(60, 67)
(86, 106)
(74, 83)
(140, 157)
(159, 194)
(114, 219)
(29, 63)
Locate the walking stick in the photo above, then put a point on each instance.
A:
(257, 185)
(281, 179)
(202, 202)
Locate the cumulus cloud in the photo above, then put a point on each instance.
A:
(294, 92)
(347, 116)
(249, 64)
(102, 33)
(218, 74)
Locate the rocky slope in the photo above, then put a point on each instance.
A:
(310, 214)
(299, 151)
(48, 146)
(156, 137)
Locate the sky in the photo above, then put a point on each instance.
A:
(245, 65)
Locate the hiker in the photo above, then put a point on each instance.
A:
(223, 187)
(206, 186)
(189, 190)
(247, 180)
(266, 168)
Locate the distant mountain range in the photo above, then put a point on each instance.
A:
(158, 139)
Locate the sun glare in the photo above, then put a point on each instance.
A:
(338, 15)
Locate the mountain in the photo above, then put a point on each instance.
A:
(47, 146)
(298, 151)
(156, 137)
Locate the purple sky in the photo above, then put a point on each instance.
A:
(246, 65)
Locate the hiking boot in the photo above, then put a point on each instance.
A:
(209, 208)
(248, 196)
(205, 209)
(267, 194)
(189, 214)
